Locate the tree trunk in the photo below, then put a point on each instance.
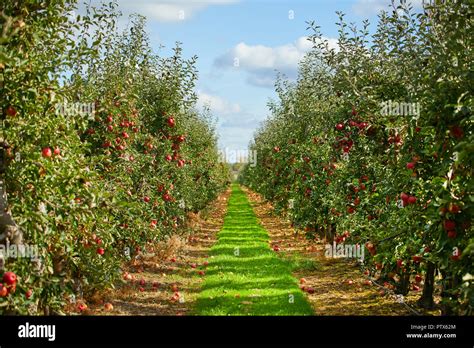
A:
(404, 286)
(9, 230)
(426, 299)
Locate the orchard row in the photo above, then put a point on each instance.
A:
(92, 191)
(398, 181)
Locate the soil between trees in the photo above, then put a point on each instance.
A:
(242, 259)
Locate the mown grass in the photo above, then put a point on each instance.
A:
(244, 276)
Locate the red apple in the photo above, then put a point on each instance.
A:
(410, 165)
(3, 290)
(449, 225)
(100, 251)
(170, 121)
(370, 247)
(11, 111)
(28, 294)
(46, 152)
(175, 297)
(452, 234)
(456, 255)
(457, 132)
(399, 263)
(454, 208)
(9, 278)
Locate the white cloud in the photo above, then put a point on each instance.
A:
(371, 7)
(263, 57)
(218, 105)
(236, 138)
(234, 124)
(261, 61)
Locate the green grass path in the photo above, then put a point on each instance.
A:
(244, 276)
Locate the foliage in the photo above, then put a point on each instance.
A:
(343, 166)
(114, 180)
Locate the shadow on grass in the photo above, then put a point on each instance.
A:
(245, 277)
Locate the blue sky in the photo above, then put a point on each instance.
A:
(260, 35)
